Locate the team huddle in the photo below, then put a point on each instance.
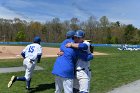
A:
(72, 66)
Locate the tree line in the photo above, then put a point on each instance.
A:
(99, 31)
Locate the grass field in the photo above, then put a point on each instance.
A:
(108, 72)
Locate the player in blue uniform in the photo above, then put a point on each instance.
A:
(64, 67)
(83, 72)
(31, 54)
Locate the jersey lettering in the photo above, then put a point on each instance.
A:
(31, 49)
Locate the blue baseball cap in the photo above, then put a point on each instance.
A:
(80, 34)
(37, 39)
(70, 33)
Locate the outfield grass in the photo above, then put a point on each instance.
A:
(108, 72)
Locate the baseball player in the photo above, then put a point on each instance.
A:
(64, 66)
(83, 72)
(31, 54)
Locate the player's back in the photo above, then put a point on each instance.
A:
(64, 65)
(32, 50)
(83, 64)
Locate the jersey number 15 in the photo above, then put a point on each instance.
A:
(31, 49)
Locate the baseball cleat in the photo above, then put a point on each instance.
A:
(13, 79)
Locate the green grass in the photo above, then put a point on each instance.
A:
(110, 71)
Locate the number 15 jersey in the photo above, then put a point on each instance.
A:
(32, 50)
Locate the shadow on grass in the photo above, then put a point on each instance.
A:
(42, 87)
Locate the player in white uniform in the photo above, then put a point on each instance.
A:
(31, 54)
(83, 72)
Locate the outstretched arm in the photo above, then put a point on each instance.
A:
(81, 46)
(85, 56)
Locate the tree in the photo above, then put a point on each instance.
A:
(90, 27)
(104, 26)
(104, 22)
(101, 31)
(74, 24)
(128, 33)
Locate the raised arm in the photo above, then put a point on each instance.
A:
(81, 46)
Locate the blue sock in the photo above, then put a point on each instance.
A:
(21, 78)
(28, 84)
(75, 90)
(83, 92)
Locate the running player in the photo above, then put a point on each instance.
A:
(31, 54)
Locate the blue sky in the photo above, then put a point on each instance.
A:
(125, 11)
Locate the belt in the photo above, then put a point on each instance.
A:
(83, 69)
(31, 61)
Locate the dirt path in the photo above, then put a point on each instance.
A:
(9, 52)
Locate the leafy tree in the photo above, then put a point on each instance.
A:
(104, 22)
(20, 36)
(74, 24)
(101, 31)
(128, 33)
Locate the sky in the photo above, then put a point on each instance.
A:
(125, 11)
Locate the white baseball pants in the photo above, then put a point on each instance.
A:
(82, 81)
(29, 68)
(63, 83)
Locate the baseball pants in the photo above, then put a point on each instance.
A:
(82, 81)
(63, 83)
(29, 67)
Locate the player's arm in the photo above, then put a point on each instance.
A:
(60, 53)
(39, 58)
(23, 54)
(81, 46)
(23, 51)
(89, 57)
(62, 47)
(85, 56)
(39, 55)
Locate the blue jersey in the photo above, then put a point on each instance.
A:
(82, 52)
(64, 65)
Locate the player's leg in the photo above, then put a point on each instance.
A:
(75, 86)
(89, 75)
(15, 78)
(28, 84)
(84, 80)
(22, 78)
(83, 92)
(12, 80)
(84, 85)
(58, 84)
(28, 73)
(68, 85)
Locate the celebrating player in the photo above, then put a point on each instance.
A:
(31, 54)
(64, 67)
(83, 72)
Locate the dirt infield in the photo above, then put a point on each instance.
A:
(8, 52)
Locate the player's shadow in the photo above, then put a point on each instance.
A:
(42, 87)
